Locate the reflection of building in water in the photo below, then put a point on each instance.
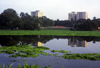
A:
(77, 43)
(72, 42)
(81, 43)
(37, 44)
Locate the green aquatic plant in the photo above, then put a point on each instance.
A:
(30, 51)
(69, 55)
(54, 51)
(24, 51)
(50, 54)
(10, 65)
(86, 56)
(7, 51)
(4, 66)
(56, 55)
(60, 51)
(44, 48)
(19, 66)
(63, 51)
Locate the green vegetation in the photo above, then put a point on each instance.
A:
(81, 24)
(89, 25)
(87, 56)
(6, 66)
(9, 19)
(60, 51)
(29, 51)
(25, 66)
(50, 32)
(28, 66)
(24, 51)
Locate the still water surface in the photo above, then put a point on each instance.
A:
(73, 44)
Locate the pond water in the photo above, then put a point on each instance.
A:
(68, 43)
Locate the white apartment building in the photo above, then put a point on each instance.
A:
(37, 14)
(76, 16)
(82, 15)
(72, 16)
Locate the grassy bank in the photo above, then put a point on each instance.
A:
(50, 32)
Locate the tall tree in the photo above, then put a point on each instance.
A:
(29, 23)
(9, 19)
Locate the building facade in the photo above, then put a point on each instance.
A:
(72, 16)
(77, 15)
(37, 14)
(82, 15)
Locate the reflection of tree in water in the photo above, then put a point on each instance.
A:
(88, 38)
(81, 38)
(14, 40)
(34, 39)
(9, 40)
(79, 41)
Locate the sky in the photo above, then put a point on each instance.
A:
(53, 9)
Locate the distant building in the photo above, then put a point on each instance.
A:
(72, 16)
(37, 14)
(77, 15)
(82, 15)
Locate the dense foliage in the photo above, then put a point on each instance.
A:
(81, 24)
(63, 23)
(10, 20)
(88, 25)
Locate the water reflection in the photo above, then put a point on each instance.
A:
(18, 40)
(37, 44)
(37, 40)
(73, 42)
(54, 43)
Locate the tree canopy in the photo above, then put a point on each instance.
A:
(87, 25)
(9, 19)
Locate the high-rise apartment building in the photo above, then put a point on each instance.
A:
(76, 16)
(37, 14)
(82, 15)
(72, 16)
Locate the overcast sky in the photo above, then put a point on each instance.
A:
(53, 9)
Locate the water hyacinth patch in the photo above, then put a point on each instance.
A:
(69, 55)
(60, 51)
(23, 51)
(29, 51)
(86, 56)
